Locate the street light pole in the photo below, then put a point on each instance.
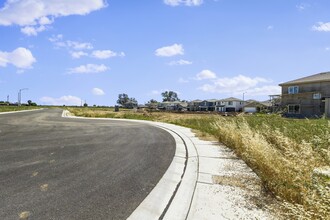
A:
(20, 96)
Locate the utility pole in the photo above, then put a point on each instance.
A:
(20, 96)
(7, 98)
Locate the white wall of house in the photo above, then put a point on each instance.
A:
(237, 105)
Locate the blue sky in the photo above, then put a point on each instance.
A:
(93, 50)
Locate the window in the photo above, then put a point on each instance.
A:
(293, 109)
(317, 96)
(230, 103)
(293, 89)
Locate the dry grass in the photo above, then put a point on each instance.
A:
(5, 108)
(283, 152)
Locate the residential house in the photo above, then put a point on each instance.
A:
(308, 96)
(194, 105)
(173, 106)
(208, 105)
(255, 106)
(229, 105)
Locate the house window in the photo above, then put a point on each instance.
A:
(230, 103)
(293, 109)
(317, 96)
(293, 89)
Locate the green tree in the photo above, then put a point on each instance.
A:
(152, 101)
(127, 102)
(122, 99)
(170, 96)
(30, 103)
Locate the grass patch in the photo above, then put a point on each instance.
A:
(283, 152)
(16, 108)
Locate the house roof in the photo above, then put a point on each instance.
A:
(320, 77)
(255, 104)
(197, 100)
(212, 100)
(231, 99)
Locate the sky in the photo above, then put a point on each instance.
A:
(60, 52)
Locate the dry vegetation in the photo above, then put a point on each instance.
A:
(5, 108)
(285, 153)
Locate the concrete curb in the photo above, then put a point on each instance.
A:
(189, 188)
(172, 196)
(4, 113)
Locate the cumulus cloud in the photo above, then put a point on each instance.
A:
(78, 54)
(179, 62)
(168, 51)
(264, 90)
(205, 74)
(32, 31)
(105, 54)
(89, 68)
(321, 26)
(35, 15)
(21, 58)
(183, 2)
(98, 91)
(233, 85)
(64, 100)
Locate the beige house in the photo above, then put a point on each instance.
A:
(308, 96)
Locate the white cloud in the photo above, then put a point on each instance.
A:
(37, 13)
(179, 62)
(21, 58)
(32, 31)
(264, 90)
(56, 38)
(105, 54)
(321, 26)
(182, 80)
(168, 51)
(233, 85)
(89, 68)
(302, 6)
(69, 44)
(98, 91)
(64, 100)
(205, 74)
(79, 46)
(183, 2)
(78, 54)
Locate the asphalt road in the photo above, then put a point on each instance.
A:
(60, 168)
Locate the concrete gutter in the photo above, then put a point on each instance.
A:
(189, 188)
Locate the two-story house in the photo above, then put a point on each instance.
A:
(229, 105)
(308, 96)
(208, 105)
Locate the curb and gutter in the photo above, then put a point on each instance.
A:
(196, 186)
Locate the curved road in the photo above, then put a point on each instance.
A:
(60, 168)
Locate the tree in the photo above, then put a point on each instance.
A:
(153, 104)
(122, 99)
(170, 96)
(152, 101)
(30, 103)
(126, 102)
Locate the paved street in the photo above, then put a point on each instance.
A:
(61, 168)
